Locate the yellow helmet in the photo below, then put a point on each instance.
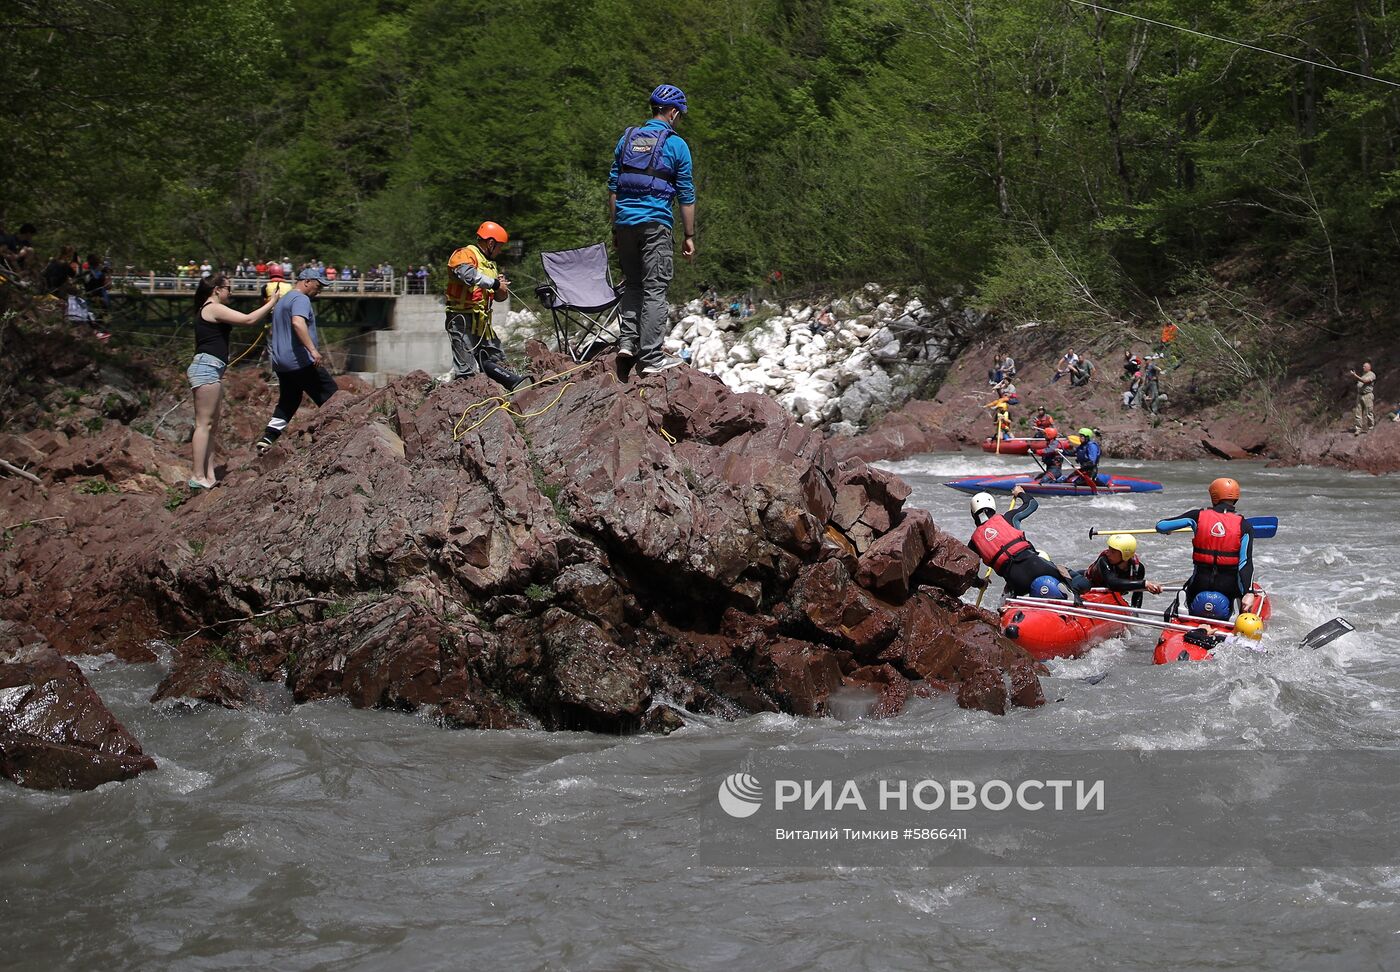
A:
(1249, 625)
(1124, 543)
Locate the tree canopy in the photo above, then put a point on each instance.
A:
(981, 144)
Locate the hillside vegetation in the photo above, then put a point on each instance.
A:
(1057, 160)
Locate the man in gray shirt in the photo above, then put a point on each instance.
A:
(295, 357)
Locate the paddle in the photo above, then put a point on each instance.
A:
(1261, 528)
(1325, 634)
(1068, 608)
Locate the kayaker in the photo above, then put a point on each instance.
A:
(1002, 545)
(1119, 569)
(1220, 545)
(1087, 454)
(1248, 633)
(1054, 459)
(1043, 420)
(1002, 415)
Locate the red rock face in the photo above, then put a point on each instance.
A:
(55, 733)
(621, 546)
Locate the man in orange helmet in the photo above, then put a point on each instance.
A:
(474, 283)
(1220, 546)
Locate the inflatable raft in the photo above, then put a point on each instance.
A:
(1175, 646)
(1076, 487)
(1046, 633)
(1019, 445)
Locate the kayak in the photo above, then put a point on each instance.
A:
(1019, 446)
(1046, 633)
(1076, 487)
(1175, 646)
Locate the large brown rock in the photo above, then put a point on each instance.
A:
(55, 732)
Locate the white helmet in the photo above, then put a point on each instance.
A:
(983, 501)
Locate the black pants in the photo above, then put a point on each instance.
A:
(313, 381)
(1226, 580)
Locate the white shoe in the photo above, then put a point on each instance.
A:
(665, 364)
(447, 376)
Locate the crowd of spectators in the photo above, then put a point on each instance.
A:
(712, 306)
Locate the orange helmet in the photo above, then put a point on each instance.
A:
(492, 231)
(1224, 489)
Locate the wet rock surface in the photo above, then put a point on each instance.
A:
(55, 732)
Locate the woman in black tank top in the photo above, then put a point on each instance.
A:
(213, 320)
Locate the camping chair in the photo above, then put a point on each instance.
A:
(581, 297)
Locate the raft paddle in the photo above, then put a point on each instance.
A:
(1261, 528)
(1067, 608)
(1325, 634)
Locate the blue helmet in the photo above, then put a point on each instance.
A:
(668, 96)
(1210, 604)
(1047, 586)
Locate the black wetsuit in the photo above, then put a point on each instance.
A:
(1233, 582)
(1025, 567)
(1128, 577)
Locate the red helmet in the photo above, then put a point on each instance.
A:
(1224, 489)
(492, 231)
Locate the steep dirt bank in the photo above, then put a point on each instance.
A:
(1296, 409)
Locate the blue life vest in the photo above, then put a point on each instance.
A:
(641, 168)
(1088, 453)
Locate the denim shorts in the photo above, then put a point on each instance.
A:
(205, 369)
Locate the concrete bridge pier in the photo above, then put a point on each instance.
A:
(414, 341)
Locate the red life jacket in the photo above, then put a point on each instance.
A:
(1218, 538)
(1044, 422)
(997, 541)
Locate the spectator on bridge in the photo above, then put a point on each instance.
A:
(261, 268)
(331, 274)
(205, 269)
(213, 321)
(422, 279)
(94, 280)
(286, 266)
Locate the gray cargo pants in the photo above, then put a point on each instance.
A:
(644, 252)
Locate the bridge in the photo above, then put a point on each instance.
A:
(390, 326)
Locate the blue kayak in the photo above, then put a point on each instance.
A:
(1106, 484)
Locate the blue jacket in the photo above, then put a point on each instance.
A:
(653, 209)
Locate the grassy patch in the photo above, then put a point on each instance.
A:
(538, 593)
(96, 487)
(175, 497)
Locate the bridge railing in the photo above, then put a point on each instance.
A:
(161, 286)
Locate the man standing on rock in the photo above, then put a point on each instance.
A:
(1365, 415)
(295, 358)
(651, 168)
(474, 284)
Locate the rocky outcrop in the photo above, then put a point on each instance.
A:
(606, 558)
(55, 732)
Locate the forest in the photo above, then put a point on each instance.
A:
(1043, 155)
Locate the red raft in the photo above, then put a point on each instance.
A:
(1175, 646)
(1046, 633)
(1019, 445)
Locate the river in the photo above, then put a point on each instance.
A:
(319, 837)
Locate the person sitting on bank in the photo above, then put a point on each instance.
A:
(1003, 546)
(1119, 570)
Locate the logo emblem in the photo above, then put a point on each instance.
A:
(990, 533)
(740, 795)
(1217, 529)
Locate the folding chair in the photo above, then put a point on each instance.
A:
(582, 299)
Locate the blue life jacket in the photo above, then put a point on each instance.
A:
(1088, 453)
(641, 166)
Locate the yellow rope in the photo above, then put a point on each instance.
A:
(503, 402)
(249, 347)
